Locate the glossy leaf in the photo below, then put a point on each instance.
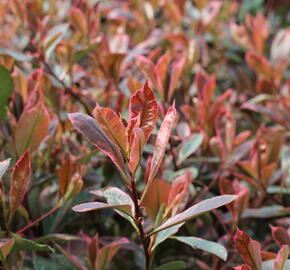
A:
(31, 129)
(175, 265)
(90, 128)
(112, 125)
(6, 245)
(19, 182)
(205, 245)
(143, 105)
(196, 210)
(6, 88)
(161, 142)
(249, 250)
(189, 147)
(4, 166)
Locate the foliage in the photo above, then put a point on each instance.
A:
(171, 118)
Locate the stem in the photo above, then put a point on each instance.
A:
(139, 219)
(33, 223)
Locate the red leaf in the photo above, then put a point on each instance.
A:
(107, 252)
(162, 141)
(243, 267)
(280, 235)
(143, 104)
(249, 250)
(89, 127)
(175, 74)
(19, 182)
(78, 20)
(112, 125)
(31, 129)
(161, 68)
(259, 64)
(148, 69)
(158, 194)
(136, 148)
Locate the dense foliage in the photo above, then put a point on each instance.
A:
(144, 134)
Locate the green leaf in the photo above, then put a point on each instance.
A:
(164, 234)
(189, 147)
(57, 237)
(5, 246)
(116, 196)
(19, 56)
(6, 88)
(205, 245)
(22, 244)
(266, 212)
(176, 265)
(4, 166)
(196, 210)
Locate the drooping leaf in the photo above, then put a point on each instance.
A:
(281, 258)
(19, 182)
(112, 125)
(205, 245)
(6, 88)
(31, 129)
(6, 245)
(136, 149)
(176, 265)
(161, 142)
(249, 250)
(89, 127)
(107, 252)
(4, 166)
(196, 210)
(143, 105)
(189, 147)
(157, 194)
